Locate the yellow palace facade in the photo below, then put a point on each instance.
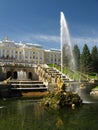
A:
(27, 53)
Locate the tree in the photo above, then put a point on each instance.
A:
(85, 60)
(76, 52)
(94, 56)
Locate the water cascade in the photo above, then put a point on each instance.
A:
(22, 75)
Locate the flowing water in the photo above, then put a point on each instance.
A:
(66, 46)
(16, 114)
(22, 75)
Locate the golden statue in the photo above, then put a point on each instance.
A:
(6, 38)
(60, 83)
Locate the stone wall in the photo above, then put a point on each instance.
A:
(11, 71)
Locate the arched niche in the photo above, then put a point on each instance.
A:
(30, 75)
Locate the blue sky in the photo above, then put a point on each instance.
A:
(38, 21)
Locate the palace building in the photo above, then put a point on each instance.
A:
(27, 53)
(53, 56)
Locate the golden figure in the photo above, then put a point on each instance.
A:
(60, 83)
(6, 38)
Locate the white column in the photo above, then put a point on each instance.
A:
(14, 53)
(18, 55)
(23, 54)
(38, 57)
(5, 53)
(10, 53)
(1, 52)
(29, 56)
(57, 59)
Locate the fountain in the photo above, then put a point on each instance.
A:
(62, 97)
(66, 46)
(66, 49)
(22, 75)
(67, 55)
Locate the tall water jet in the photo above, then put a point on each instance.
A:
(66, 47)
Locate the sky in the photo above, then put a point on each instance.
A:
(38, 21)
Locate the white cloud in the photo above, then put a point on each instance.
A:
(56, 39)
(85, 40)
(47, 41)
(39, 37)
(52, 41)
(44, 38)
(80, 41)
(88, 40)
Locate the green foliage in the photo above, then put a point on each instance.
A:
(94, 56)
(76, 52)
(96, 88)
(86, 63)
(92, 75)
(85, 60)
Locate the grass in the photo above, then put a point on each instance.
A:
(96, 88)
(93, 76)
